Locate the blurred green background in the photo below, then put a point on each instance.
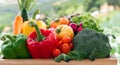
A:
(107, 11)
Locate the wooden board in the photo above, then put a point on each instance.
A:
(103, 61)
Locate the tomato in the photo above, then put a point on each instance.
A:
(65, 48)
(66, 39)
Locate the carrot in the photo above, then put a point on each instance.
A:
(17, 25)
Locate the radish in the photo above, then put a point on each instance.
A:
(80, 27)
(74, 26)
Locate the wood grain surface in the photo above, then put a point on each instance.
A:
(103, 61)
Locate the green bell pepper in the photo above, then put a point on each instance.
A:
(14, 47)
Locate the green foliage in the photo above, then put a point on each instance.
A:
(66, 8)
(88, 21)
(114, 2)
(92, 5)
(27, 4)
(1, 27)
(7, 14)
(119, 48)
(112, 26)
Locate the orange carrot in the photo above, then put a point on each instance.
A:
(17, 25)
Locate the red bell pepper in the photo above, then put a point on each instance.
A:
(41, 42)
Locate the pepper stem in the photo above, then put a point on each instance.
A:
(58, 31)
(35, 13)
(10, 38)
(39, 35)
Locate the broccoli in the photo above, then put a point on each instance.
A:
(95, 44)
(89, 44)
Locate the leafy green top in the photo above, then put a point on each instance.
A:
(27, 4)
(88, 22)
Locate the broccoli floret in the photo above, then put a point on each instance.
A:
(95, 44)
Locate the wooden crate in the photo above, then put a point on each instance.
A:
(102, 61)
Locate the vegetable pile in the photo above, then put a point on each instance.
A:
(88, 44)
(76, 37)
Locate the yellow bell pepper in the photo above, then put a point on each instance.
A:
(27, 29)
(64, 30)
